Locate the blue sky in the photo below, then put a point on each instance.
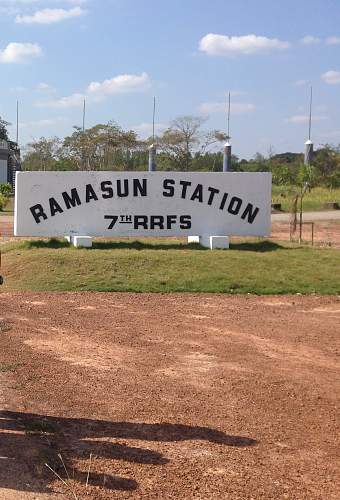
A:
(188, 53)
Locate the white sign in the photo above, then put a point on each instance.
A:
(142, 204)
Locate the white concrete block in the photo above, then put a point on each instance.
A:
(219, 242)
(193, 239)
(82, 241)
(211, 242)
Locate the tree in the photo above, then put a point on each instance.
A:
(183, 139)
(327, 166)
(305, 181)
(102, 147)
(3, 130)
(42, 154)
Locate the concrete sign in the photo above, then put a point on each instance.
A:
(114, 204)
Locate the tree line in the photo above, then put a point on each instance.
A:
(184, 146)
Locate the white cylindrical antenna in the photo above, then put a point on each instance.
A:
(227, 146)
(308, 156)
(152, 148)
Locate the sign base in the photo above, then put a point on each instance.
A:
(211, 242)
(80, 241)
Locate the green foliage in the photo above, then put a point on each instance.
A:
(184, 146)
(5, 190)
(2, 202)
(3, 130)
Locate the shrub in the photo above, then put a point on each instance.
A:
(2, 202)
(5, 190)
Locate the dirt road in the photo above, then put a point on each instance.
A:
(172, 396)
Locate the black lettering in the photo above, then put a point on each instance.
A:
(168, 186)
(38, 213)
(156, 220)
(123, 193)
(73, 200)
(224, 201)
(185, 185)
(185, 221)
(250, 212)
(113, 219)
(90, 193)
(198, 193)
(55, 207)
(106, 189)
(139, 188)
(234, 205)
(170, 220)
(141, 220)
(213, 191)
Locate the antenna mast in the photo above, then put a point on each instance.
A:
(153, 119)
(308, 157)
(227, 146)
(17, 122)
(310, 113)
(84, 113)
(228, 119)
(152, 148)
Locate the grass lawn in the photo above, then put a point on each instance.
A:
(312, 201)
(261, 267)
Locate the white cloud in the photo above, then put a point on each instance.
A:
(331, 77)
(45, 88)
(19, 52)
(301, 83)
(96, 91)
(50, 16)
(120, 84)
(310, 40)
(236, 108)
(18, 89)
(221, 45)
(304, 118)
(45, 122)
(333, 40)
(73, 101)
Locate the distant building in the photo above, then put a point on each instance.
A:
(9, 162)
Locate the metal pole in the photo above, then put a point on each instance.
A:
(300, 234)
(17, 122)
(227, 146)
(308, 144)
(310, 113)
(84, 112)
(228, 127)
(152, 148)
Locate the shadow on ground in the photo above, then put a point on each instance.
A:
(254, 246)
(28, 441)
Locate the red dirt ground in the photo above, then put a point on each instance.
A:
(172, 396)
